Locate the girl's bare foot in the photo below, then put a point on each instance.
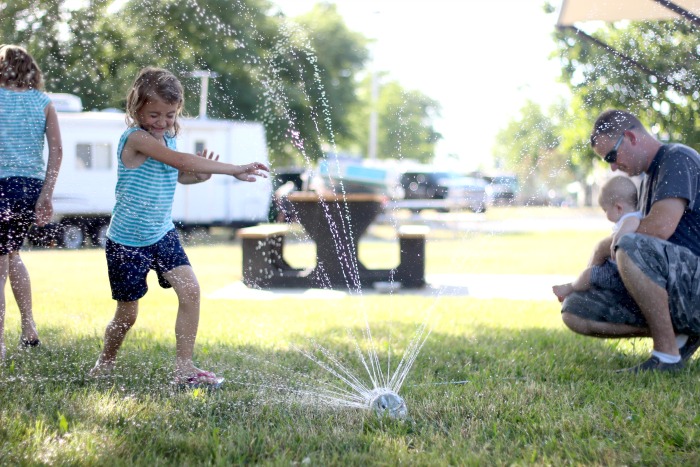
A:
(30, 337)
(101, 369)
(189, 376)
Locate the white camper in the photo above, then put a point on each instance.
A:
(84, 194)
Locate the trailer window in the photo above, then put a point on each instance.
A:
(93, 156)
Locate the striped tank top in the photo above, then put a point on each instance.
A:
(22, 129)
(142, 214)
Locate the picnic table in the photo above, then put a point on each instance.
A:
(335, 223)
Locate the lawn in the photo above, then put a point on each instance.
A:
(496, 382)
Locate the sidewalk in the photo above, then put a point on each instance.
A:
(508, 286)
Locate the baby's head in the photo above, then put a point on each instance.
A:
(18, 68)
(154, 84)
(618, 197)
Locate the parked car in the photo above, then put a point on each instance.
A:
(502, 189)
(443, 191)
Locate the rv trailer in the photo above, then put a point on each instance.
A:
(84, 193)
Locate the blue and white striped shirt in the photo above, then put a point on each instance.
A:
(142, 214)
(22, 130)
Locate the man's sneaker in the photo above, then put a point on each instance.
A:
(689, 348)
(654, 364)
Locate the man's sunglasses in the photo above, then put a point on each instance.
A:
(611, 157)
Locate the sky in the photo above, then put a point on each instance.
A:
(491, 57)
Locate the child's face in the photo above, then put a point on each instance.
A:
(157, 117)
(614, 211)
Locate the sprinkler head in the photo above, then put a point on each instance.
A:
(387, 403)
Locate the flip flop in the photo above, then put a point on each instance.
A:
(29, 343)
(203, 379)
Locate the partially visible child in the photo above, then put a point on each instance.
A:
(27, 117)
(141, 234)
(618, 198)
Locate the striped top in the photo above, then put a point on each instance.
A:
(142, 214)
(22, 129)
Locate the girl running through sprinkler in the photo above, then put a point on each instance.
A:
(141, 234)
(27, 117)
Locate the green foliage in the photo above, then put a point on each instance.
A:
(659, 83)
(530, 147)
(297, 77)
(404, 122)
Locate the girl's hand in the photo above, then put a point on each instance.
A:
(202, 177)
(250, 172)
(43, 210)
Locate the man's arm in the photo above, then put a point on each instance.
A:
(663, 218)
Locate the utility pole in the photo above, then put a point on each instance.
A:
(204, 76)
(374, 92)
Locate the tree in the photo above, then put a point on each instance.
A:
(340, 55)
(405, 123)
(529, 146)
(300, 88)
(659, 82)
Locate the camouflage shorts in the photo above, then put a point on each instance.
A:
(672, 267)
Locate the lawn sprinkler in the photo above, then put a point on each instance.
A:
(386, 402)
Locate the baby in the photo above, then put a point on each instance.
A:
(618, 198)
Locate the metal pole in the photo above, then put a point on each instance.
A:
(680, 10)
(203, 76)
(625, 58)
(203, 97)
(373, 118)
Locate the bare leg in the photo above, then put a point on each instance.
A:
(22, 290)
(602, 329)
(4, 267)
(186, 287)
(124, 319)
(582, 283)
(653, 301)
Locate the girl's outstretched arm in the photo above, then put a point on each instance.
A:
(141, 145)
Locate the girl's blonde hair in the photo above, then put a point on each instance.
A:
(19, 69)
(153, 83)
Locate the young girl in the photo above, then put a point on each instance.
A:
(26, 184)
(141, 234)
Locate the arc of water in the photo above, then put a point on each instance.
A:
(336, 368)
(314, 394)
(369, 368)
(409, 357)
(327, 387)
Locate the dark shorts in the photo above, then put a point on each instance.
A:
(128, 266)
(18, 197)
(673, 267)
(607, 276)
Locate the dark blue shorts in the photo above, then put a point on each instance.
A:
(128, 266)
(18, 197)
(607, 276)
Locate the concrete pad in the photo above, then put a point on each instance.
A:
(508, 286)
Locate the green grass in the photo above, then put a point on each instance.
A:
(497, 381)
